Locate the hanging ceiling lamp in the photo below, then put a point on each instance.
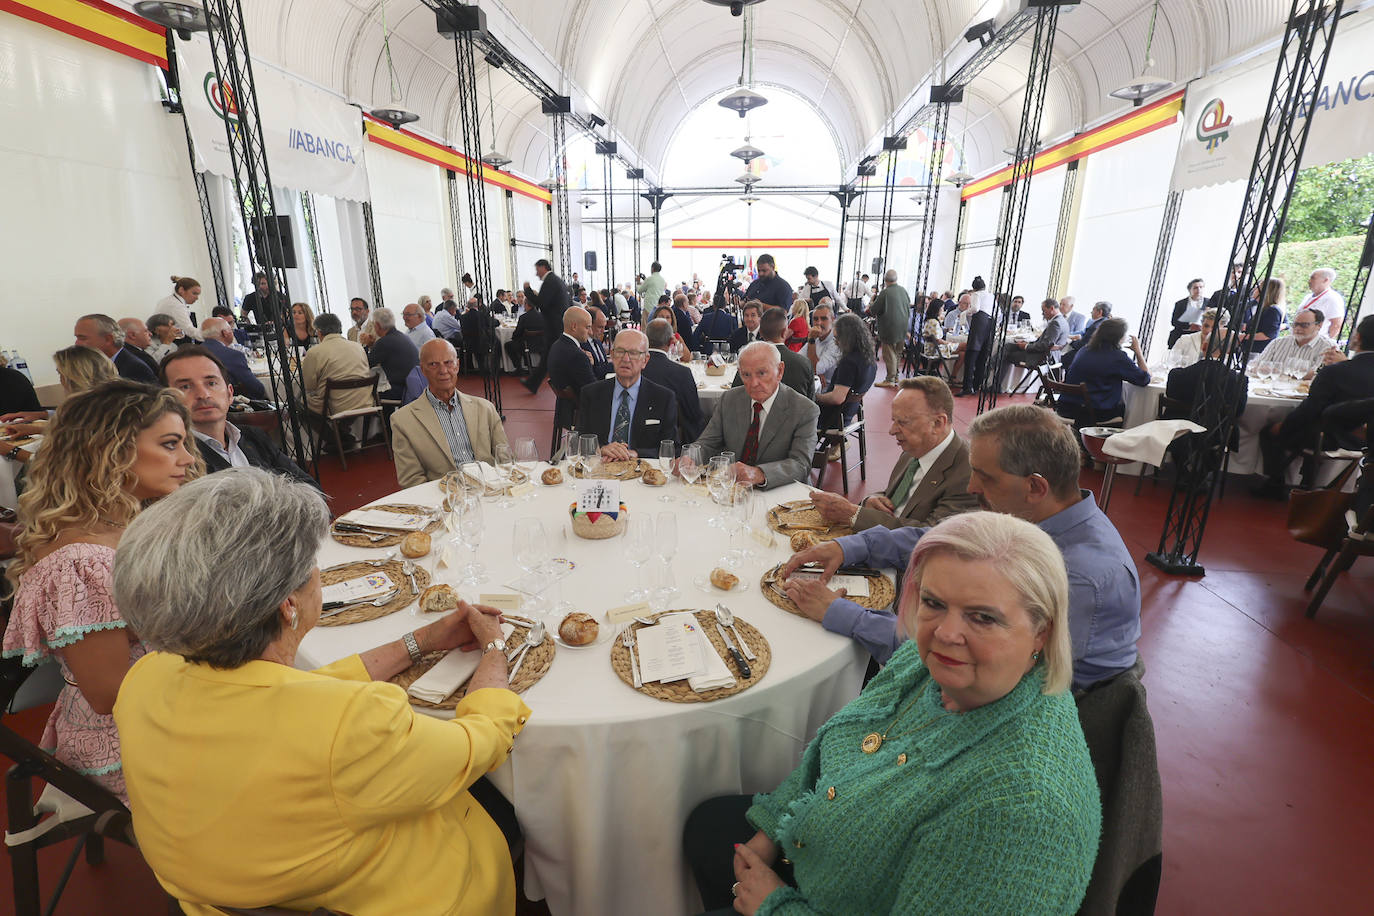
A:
(736, 6)
(748, 152)
(962, 176)
(493, 158)
(394, 112)
(744, 100)
(748, 179)
(181, 16)
(1144, 85)
(751, 199)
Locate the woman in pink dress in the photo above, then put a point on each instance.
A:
(109, 451)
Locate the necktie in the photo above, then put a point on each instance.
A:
(903, 491)
(621, 433)
(750, 453)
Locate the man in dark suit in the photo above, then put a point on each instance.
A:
(797, 372)
(527, 338)
(392, 350)
(99, 332)
(677, 378)
(551, 300)
(684, 320)
(769, 427)
(479, 328)
(218, 336)
(751, 314)
(629, 414)
(1211, 373)
(569, 366)
(715, 324)
(930, 480)
(1187, 316)
(137, 340)
(1338, 382)
(595, 344)
(206, 390)
(1227, 301)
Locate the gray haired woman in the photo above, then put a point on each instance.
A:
(253, 783)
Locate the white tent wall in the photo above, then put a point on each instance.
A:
(1037, 239)
(409, 211)
(498, 239)
(980, 226)
(1202, 246)
(352, 241)
(97, 191)
(1124, 192)
(531, 225)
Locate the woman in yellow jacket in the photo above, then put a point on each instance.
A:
(256, 784)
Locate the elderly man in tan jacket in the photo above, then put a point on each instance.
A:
(443, 428)
(334, 358)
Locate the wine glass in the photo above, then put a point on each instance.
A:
(720, 477)
(665, 586)
(666, 450)
(591, 455)
(639, 543)
(690, 467)
(527, 460)
(505, 463)
(665, 536)
(528, 544)
(746, 506)
(470, 529)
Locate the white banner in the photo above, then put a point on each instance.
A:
(1222, 113)
(314, 141)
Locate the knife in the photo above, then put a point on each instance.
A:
(367, 529)
(740, 663)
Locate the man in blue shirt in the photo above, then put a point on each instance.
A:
(769, 288)
(629, 414)
(1024, 462)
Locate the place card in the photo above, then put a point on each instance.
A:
(854, 586)
(668, 652)
(522, 489)
(385, 518)
(716, 359)
(627, 613)
(502, 601)
(598, 496)
(763, 535)
(358, 589)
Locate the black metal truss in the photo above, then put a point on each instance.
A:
(607, 170)
(846, 196)
(563, 246)
(374, 268)
(1358, 286)
(1012, 222)
(316, 262)
(1168, 229)
(455, 222)
(960, 230)
(656, 199)
(1061, 232)
(637, 177)
(935, 171)
(1303, 53)
(892, 146)
(253, 186)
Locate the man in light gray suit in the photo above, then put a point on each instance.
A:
(770, 428)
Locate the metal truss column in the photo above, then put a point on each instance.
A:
(637, 176)
(1303, 53)
(1064, 231)
(846, 196)
(455, 218)
(656, 199)
(1013, 218)
(1168, 229)
(510, 224)
(253, 186)
(1358, 287)
(374, 270)
(563, 241)
(892, 146)
(960, 233)
(934, 173)
(607, 148)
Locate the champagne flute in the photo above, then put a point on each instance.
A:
(528, 542)
(666, 450)
(665, 536)
(470, 529)
(719, 478)
(665, 586)
(639, 542)
(505, 462)
(746, 507)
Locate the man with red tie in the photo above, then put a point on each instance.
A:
(769, 427)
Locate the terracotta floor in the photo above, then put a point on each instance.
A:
(1263, 717)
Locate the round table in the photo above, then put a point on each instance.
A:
(710, 387)
(603, 777)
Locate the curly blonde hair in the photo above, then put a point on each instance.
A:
(81, 368)
(83, 474)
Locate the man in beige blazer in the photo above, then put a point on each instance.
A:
(334, 357)
(930, 481)
(442, 428)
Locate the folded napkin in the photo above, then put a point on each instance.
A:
(385, 518)
(1148, 441)
(488, 474)
(449, 674)
(716, 674)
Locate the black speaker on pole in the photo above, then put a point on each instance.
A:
(282, 240)
(589, 261)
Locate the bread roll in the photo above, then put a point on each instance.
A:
(415, 544)
(439, 597)
(723, 580)
(804, 539)
(578, 629)
(552, 476)
(654, 477)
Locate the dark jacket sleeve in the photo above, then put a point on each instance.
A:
(263, 453)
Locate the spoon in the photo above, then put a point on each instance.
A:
(408, 567)
(727, 620)
(533, 638)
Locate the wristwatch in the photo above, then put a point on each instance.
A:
(497, 644)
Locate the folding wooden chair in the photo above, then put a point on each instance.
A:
(334, 418)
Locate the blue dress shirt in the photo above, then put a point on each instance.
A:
(1104, 590)
(621, 392)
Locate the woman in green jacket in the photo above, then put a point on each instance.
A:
(957, 783)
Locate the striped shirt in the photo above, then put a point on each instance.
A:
(455, 429)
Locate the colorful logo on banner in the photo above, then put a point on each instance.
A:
(913, 163)
(222, 98)
(1213, 125)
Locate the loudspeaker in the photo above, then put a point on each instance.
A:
(282, 240)
(589, 262)
(877, 266)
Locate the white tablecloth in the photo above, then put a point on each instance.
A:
(711, 387)
(504, 332)
(603, 777)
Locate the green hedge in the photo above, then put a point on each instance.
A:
(1296, 261)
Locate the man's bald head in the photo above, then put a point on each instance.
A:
(136, 333)
(216, 329)
(439, 366)
(577, 323)
(629, 356)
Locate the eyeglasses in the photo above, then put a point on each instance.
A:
(1304, 324)
(621, 352)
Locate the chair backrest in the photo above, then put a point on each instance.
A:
(1172, 409)
(332, 385)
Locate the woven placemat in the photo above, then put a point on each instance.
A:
(681, 691)
(394, 572)
(789, 518)
(614, 470)
(389, 540)
(535, 667)
(881, 592)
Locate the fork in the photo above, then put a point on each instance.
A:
(376, 602)
(727, 620)
(627, 639)
(382, 561)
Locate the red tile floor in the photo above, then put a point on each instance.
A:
(1263, 717)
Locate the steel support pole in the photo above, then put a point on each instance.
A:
(892, 146)
(960, 231)
(1303, 53)
(846, 197)
(455, 216)
(935, 170)
(1168, 229)
(374, 268)
(1358, 286)
(1062, 231)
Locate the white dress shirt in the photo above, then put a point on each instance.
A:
(180, 313)
(924, 464)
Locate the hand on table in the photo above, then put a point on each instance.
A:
(880, 502)
(832, 506)
(1021, 344)
(754, 880)
(811, 596)
(26, 416)
(829, 554)
(470, 627)
(617, 451)
(22, 429)
(747, 473)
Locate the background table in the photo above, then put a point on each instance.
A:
(711, 387)
(603, 777)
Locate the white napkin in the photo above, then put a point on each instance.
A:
(384, 518)
(716, 673)
(1148, 441)
(450, 672)
(488, 474)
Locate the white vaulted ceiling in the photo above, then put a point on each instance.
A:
(644, 64)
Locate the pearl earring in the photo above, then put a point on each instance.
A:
(294, 620)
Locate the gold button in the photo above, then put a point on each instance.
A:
(786, 861)
(901, 759)
(798, 844)
(830, 793)
(522, 720)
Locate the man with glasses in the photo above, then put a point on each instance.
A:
(821, 347)
(1025, 463)
(629, 414)
(1307, 344)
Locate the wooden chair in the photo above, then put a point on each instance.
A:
(831, 437)
(1086, 415)
(564, 414)
(534, 346)
(1343, 548)
(334, 418)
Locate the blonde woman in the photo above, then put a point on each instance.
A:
(81, 369)
(799, 327)
(185, 293)
(110, 451)
(302, 331)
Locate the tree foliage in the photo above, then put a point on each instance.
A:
(1331, 201)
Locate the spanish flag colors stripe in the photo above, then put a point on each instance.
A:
(1127, 127)
(751, 243)
(99, 23)
(403, 141)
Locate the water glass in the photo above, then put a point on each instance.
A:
(667, 449)
(691, 468)
(470, 529)
(591, 454)
(528, 545)
(665, 536)
(639, 544)
(664, 587)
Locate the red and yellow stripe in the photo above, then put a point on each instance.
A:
(1127, 127)
(751, 243)
(415, 146)
(99, 23)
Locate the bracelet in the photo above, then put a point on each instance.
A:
(412, 647)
